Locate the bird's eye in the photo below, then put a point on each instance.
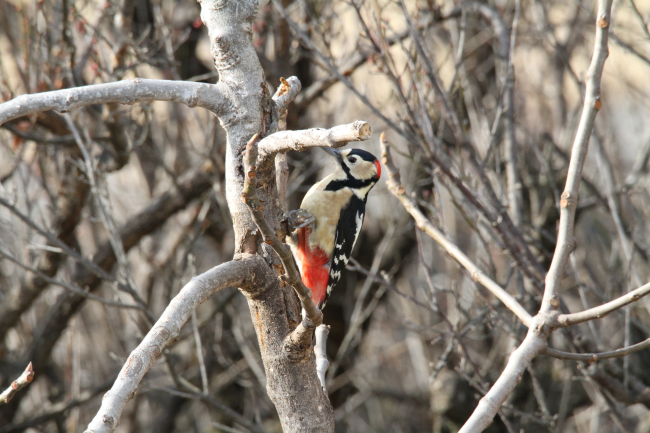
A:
(352, 159)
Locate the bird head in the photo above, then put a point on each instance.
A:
(356, 165)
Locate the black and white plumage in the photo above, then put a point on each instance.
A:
(338, 205)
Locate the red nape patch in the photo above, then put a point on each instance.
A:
(315, 267)
(378, 169)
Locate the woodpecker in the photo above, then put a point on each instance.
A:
(338, 205)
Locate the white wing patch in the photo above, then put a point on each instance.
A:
(359, 222)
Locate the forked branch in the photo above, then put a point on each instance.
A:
(298, 343)
(546, 321)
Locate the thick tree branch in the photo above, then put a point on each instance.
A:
(395, 186)
(125, 92)
(164, 332)
(533, 345)
(301, 140)
(274, 308)
(298, 343)
(18, 384)
(603, 310)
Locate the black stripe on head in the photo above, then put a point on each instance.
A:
(366, 156)
(349, 182)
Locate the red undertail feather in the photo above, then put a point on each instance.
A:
(315, 267)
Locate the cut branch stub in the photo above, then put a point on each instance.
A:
(18, 384)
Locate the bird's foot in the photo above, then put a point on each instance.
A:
(300, 218)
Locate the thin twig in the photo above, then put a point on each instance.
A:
(70, 287)
(593, 357)
(199, 353)
(603, 310)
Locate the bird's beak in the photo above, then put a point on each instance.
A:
(335, 153)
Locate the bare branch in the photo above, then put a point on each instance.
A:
(18, 384)
(164, 332)
(603, 310)
(593, 357)
(125, 92)
(395, 186)
(298, 343)
(569, 199)
(299, 141)
(359, 58)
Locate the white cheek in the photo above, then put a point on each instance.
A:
(362, 192)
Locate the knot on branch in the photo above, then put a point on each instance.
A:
(223, 53)
(108, 420)
(297, 345)
(566, 200)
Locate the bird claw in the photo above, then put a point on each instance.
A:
(300, 218)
